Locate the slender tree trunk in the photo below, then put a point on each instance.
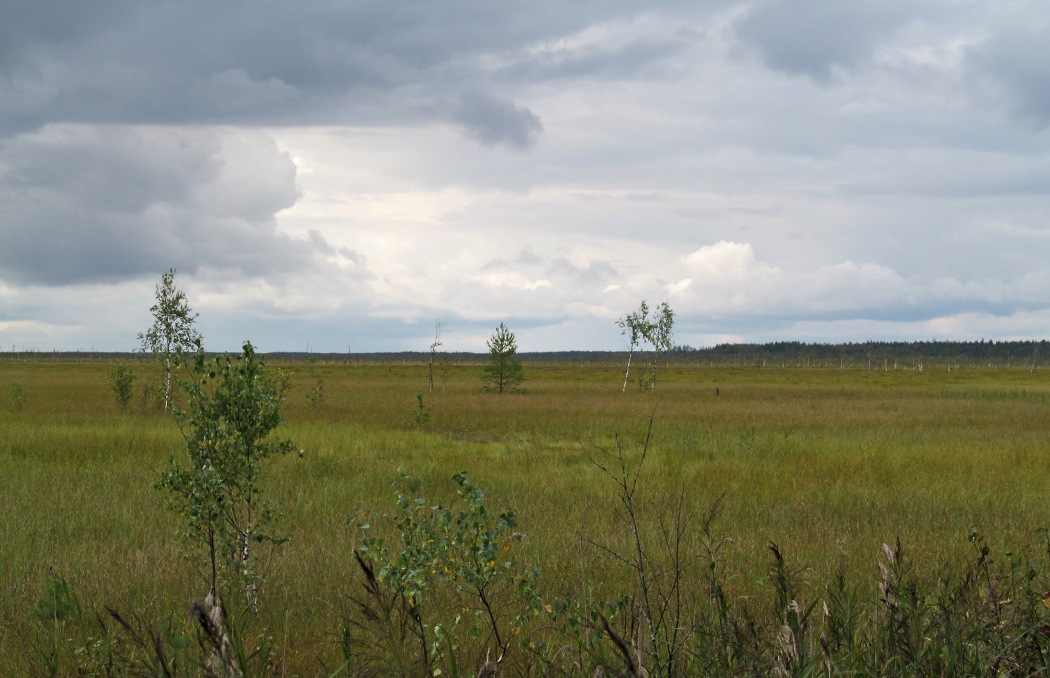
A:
(246, 568)
(627, 374)
(211, 553)
(167, 382)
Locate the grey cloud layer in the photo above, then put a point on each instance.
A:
(1016, 64)
(184, 62)
(314, 62)
(837, 158)
(814, 37)
(89, 204)
(1003, 44)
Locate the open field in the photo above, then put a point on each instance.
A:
(827, 463)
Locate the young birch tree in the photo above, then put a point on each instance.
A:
(173, 329)
(654, 328)
(633, 326)
(660, 330)
(234, 410)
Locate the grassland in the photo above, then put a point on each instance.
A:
(827, 463)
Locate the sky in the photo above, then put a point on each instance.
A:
(342, 175)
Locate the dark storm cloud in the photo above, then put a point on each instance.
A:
(813, 37)
(29, 27)
(276, 62)
(103, 204)
(492, 120)
(1017, 64)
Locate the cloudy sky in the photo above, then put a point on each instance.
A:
(339, 175)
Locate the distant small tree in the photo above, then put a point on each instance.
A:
(439, 328)
(317, 396)
(655, 328)
(633, 327)
(660, 335)
(122, 384)
(173, 329)
(504, 371)
(18, 396)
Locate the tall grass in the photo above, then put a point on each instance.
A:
(828, 464)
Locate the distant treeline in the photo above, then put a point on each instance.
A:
(868, 354)
(871, 355)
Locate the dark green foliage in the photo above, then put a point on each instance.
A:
(151, 394)
(317, 397)
(234, 408)
(882, 355)
(122, 384)
(422, 413)
(452, 579)
(18, 396)
(503, 371)
(71, 641)
(57, 603)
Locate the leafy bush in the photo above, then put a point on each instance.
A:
(317, 397)
(451, 578)
(18, 396)
(234, 407)
(122, 384)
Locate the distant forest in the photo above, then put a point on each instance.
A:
(869, 355)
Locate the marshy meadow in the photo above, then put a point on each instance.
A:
(736, 520)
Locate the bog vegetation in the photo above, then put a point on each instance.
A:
(746, 520)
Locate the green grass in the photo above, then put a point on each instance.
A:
(827, 463)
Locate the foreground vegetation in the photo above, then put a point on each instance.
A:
(760, 511)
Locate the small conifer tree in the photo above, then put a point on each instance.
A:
(504, 371)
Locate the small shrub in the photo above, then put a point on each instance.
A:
(317, 397)
(452, 580)
(234, 409)
(122, 384)
(422, 413)
(18, 396)
(56, 608)
(151, 395)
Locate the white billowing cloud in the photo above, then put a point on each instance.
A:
(467, 253)
(850, 285)
(726, 264)
(727, 278)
